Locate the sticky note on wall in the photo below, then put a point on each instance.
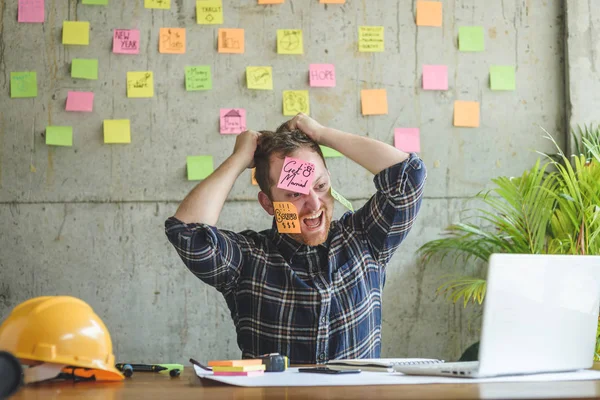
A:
(341, 199)
(470, 38)
(80, 101)
(232, 120)
(162, 4)
(270, 1)
(502, 77)
(466, 114)
(259, 78)
(435, 77)
(231, 41)
(84, 68)
(329, 152)
(117, 131)
(296, 175)
(140, 84)
(371, 38)
(286, 217)
(198, 78)
(429, 13)
(321, 75)
(209, 12)
(332, 1)
(76, 32)
(374, 101)
(31, 11)
(253, 177)
(23, 84)
(295, 101)
(172, 41)
(199, 167)
(95, 2)
(290, 41)
(59, 135)
(407, 139)
(126, 41)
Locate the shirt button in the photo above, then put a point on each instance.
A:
(323, 319)
(322, 356)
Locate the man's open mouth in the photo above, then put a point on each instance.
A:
(313, 222)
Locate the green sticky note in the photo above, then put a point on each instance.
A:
(95, 2)
(59, 136)
(329, 152)
(342, 199)
(23, 84)
(199, 167)
(502, 77)
(470, 38)
(198, 78)
(84, 68)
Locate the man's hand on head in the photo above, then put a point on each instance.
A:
(245, 146)
(306, 124)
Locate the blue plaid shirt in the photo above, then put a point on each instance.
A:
(309, 303)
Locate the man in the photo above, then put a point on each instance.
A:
(316, 295)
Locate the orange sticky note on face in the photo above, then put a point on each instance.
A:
(286, 217)
(374, 101)
(429, 13)
(254, 181)
(466, 113)
(231, 40)
(172, 41)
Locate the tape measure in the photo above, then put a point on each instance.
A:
(274, 362)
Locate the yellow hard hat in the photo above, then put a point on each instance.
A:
(60, 330)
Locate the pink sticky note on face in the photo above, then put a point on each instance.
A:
(407, 140)
(31, 11)
(126, 41)
(435, 77)
(322, 75)
(80, 101)
(296, 175)
(233, 120)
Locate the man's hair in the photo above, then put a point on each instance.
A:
(280, 143)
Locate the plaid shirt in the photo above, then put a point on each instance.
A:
(309, 303)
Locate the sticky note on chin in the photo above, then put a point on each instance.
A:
(296, 175)
(286, 217)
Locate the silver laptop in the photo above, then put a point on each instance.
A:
(540, 315)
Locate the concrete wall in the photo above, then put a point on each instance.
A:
(88, 220)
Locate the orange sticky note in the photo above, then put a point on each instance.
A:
(254, 181)
(374, 101)
(172, 41)
(231, 40)
(270, 1)
(286, 217)
(429, 13)
(466, 113)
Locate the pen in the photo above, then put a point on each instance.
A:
(141, 367)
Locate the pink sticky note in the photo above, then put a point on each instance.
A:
(80, 101)
(322, 75)
(31, 11)
(126, 41)
(435, 77)
(296, 175)
(407, 139)
(233, 120)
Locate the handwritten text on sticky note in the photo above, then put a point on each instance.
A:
(231, 41)
(342, 199)
(374, 101)
(126, 41)
(23, 84)
(295, 101)
(289, 41)
(286, 217)
(296, 175)
(198, 78)
(233, 120)
(322, 75)
(31, 11)
(407, 140)
(172, 40)
(117, 131)
(162, 4)
(435, 77)
(209, 12)
(371, 38)
(80, 101)
(140, 84)
(259, 78)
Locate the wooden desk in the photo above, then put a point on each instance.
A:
(147, 386)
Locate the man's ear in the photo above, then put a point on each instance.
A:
(266, 203)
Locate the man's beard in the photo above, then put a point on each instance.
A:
(311, 239)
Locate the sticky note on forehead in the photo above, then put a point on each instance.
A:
(286, 217)
(296, 175)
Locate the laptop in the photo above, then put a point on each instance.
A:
(540, 315)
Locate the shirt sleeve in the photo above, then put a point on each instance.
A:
(387, 217)
(213, 255)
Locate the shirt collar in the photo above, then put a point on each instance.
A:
(289, 247)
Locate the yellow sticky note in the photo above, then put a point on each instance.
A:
(163, 4)
(371, 38)
(209, 11)
(429, 13)
(259, 78)
(295, 101)
(140, 84)
(253, 179)
(172, 40)
(374, 101)
(270, 1)
(286, 217)
(231, 40)
(466, 113)
(117, 131)
(289, 41)
(76, 32)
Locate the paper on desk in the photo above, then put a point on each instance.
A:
(292, 377)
